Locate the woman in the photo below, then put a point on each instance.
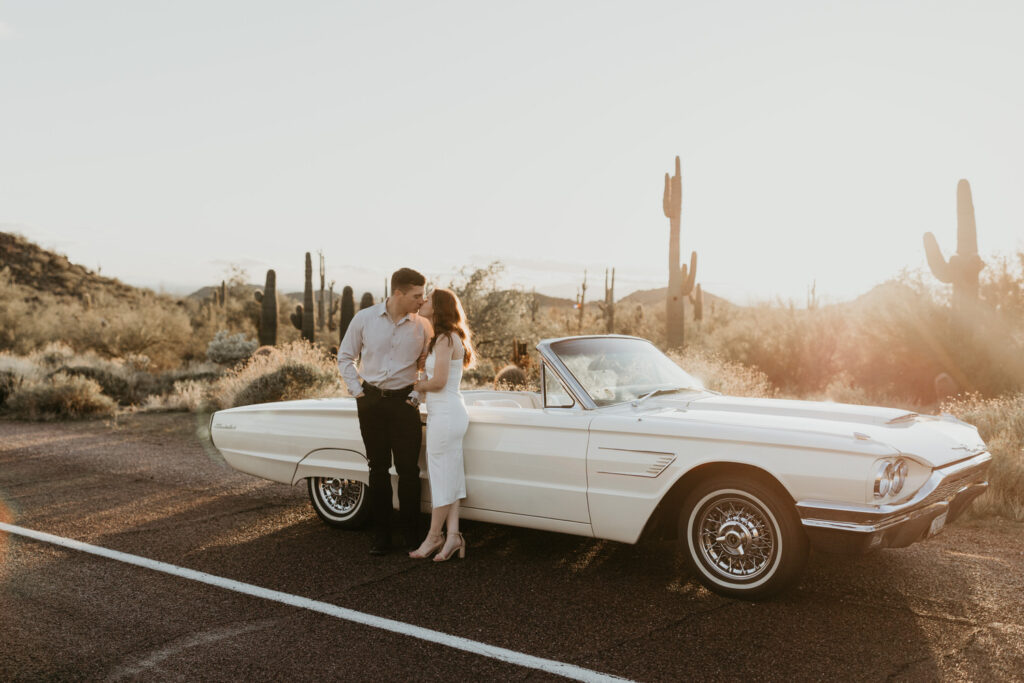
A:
(450, 351)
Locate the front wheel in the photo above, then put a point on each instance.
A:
(340, 502)
(742, 537)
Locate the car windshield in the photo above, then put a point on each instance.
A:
(615, 370)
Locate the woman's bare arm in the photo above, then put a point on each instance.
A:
(442, 361)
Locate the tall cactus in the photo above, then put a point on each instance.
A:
(697, 300)
(680, 279)
(332, 308)
(348, 309)
(321, 317)
(581, 300)
(223, 294)
(963, 267)
(608, 305)
(366, 301)
(302, 318)
(268, 310)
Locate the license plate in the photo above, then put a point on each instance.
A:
(937, 524)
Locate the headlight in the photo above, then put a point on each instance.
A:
(890, 476)
(899, 477)
(883, 480)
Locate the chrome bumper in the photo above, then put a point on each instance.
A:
(861, 528)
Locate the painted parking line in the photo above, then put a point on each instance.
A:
(439, 637)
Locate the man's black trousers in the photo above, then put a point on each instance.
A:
(391, 427)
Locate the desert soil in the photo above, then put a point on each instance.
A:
(151, 485)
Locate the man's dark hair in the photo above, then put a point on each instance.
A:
(404, 278)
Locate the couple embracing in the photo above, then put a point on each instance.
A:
(395, 341)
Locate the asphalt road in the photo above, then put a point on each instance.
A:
(948, 609)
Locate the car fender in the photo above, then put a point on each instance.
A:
(340, 463)
(630, 473)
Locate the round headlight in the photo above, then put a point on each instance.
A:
(899, 476)
(883, 480)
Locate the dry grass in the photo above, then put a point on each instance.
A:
(724, 376)
(1000, 421)
(296, 370)
(59, 397)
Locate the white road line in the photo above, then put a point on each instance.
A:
(483, 649)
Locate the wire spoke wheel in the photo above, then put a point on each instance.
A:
(339, 502)
(742, 536)
(736, 537)
(341, 495)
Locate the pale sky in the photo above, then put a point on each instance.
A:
(163, 141)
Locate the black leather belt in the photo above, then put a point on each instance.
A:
(386, 393)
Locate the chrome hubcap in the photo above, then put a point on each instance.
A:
(735, 536)
(340, 496)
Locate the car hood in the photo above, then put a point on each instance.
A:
(934, 440)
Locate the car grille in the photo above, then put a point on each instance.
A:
(949, 487)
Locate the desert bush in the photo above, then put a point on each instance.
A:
(59, 397)
(186, 395)
(496, 316)
(228, 349)
(112, 327)
(113, 383)
(1000, 422)
(297, 370)
(725, 376)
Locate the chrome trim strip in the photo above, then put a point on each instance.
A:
(654, 470)
(635, 450)
(880, 526)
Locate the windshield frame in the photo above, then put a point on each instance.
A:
(547, 350)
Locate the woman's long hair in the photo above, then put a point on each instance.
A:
(449, 318)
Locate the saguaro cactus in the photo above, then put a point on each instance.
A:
(320, 310)
(302, 318)
(680, 279)
(366, 301)
(268, 310)
(697, 300)
(348, 309)
(581, 299)
(332, 307)
(608, 305)
(963, 267)
(223, 294)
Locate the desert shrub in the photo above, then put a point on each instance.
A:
(496, 317)
(1000, 421)
(725, 376)
(297, 370)
(205, 373)
(187, 395)
(228, 349)
(110, 326)
(59, 397)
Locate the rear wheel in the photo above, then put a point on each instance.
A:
(742, 537)
(340, 502)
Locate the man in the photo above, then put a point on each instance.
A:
(390, 340)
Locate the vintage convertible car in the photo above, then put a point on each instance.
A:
(621, 440)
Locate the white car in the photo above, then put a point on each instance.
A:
(621, 440)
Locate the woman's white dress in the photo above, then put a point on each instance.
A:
(447, 421)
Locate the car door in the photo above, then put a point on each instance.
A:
(530, 462)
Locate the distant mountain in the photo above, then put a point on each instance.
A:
(32, 266)
(886, 293)
(553, 301)
(654, 297)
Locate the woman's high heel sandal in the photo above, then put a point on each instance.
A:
(461, 547)
(422, 554)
